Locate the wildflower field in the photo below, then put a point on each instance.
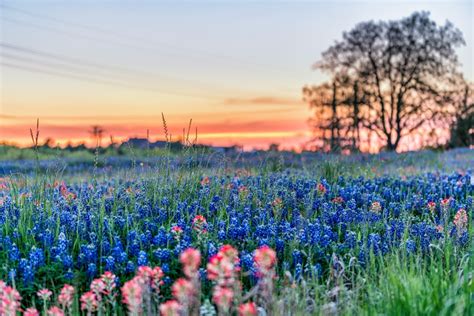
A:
(250, 234)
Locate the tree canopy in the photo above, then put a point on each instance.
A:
(396, 75)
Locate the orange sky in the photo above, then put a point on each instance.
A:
(239, 121)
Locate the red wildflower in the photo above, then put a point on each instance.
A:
(265, 258)
(248, 309)
(191, 260)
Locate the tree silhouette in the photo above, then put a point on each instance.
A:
(462, 130)
(97, 132)
(324, 100)
(401, 68)
(337, 108)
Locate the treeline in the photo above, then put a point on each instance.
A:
(392, 83)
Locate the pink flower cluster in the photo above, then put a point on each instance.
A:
(460, 221)
(376, 207)
(199, 224)
(141, 294)
(100, 288)
(432, 207)
(321, 189)
(186, 291)
(66, 296)
(138, 292)
(177, 232)
(265, 260)
(9, 300)
(222, 269)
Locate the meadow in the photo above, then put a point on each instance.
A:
(239, 234)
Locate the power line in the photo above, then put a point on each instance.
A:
(54, 64)
(89, 64)
(61, 61)
(122, 35)
(139, 39)
(88, 79)
(113, 69)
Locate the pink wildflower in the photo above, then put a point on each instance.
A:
(144, 274)
(265, 258)
(432, 207)
(230, 253)
(221, 269)
(97, 287)
(222, 297)
(445, 203)
(191, 260)
(321, 189)
(44, 294)
(338, 200)
(9, 300)
(109, 281)
(65, 296)
(460, 221)
(277, 202)
(243, 189)
(89, 302)
(170, 308)
(31, 312)
(182, 290)
(205, 181)
(199, 224)
(248, 309)
(66, 193)
(156, 278)
(265, 261)
(55, 311)
(177, 232)
(132, 295)
(376, 207)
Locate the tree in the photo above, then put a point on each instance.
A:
(353, 99)
(324, 100)
(97, 133)
(337, 110)
(462, 130)
(402, 67)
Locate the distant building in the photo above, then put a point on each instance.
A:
(228, 149)
(143, 143)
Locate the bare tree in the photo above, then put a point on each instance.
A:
(462, 127)
(324, 100)
(402, 68)
(97, 132)
(337, 108)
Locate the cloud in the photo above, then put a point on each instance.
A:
(263, 100)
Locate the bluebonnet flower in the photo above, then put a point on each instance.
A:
(142, 258)
(162, 254)
(131, 267)
(374, 243)
(410, 246)
(91, 270)
(26, 271)
(14, 253)
(297, 257)
(36, 257)
(110, 263)
(165, 267)
(298, 271)
(350, 239)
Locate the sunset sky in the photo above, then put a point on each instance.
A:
(235, 67)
